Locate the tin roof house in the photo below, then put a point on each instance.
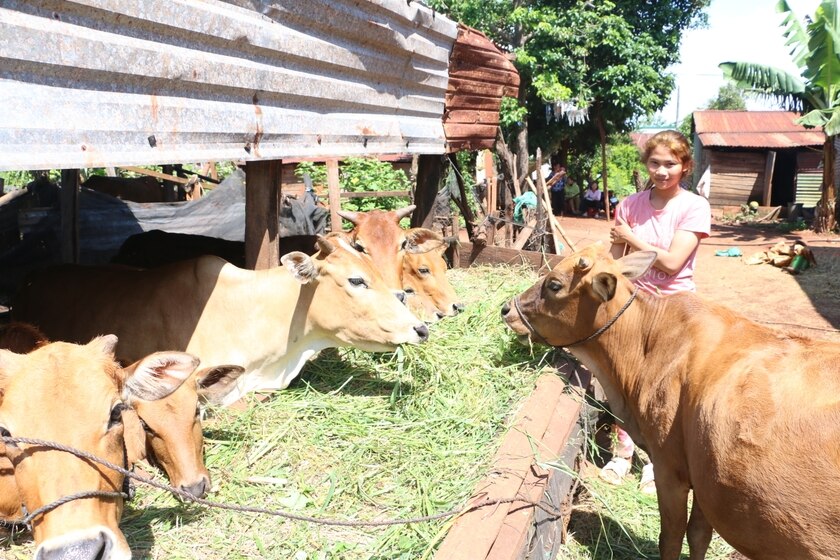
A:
(761, 156)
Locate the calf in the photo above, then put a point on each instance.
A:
(378, 234)
(745, 416)
(77, 395)
(173, 438)
(267, 321)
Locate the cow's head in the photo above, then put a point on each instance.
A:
(77, 395)
(350, 302)
(172, 426)
(378, 233)
(563, 306)
(429, 294)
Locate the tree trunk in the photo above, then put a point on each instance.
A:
(826, 219)
(602, 132)
(505, 160)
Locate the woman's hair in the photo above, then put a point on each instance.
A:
(674, 141)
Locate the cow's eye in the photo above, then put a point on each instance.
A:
(146, 427)
(423, 270)
(4, 432)
(359, 247)
(116, 415)
(555, 285)
(404, 244)
(358, 281)
(408, 290)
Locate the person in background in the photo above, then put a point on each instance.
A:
(591, 202)
(572, 196)
(671, 221)
(557, 183)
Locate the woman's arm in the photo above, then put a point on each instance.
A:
(669, 261)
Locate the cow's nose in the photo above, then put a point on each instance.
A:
(422, 331)
(400, 295)
(198, 489)
(91, 548)
(458, 307)
(505, 309)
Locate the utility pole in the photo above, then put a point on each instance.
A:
(677, 116)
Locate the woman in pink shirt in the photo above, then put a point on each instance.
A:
(671, 221)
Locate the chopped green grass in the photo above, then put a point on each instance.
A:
(358, 436)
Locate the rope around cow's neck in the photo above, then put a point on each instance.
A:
(592, 336)
(245, 509)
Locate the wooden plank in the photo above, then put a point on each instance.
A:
(157, 174)
(429, 172)
(480, 254)
(373, 194)
(490, 174)
(472, 116)
(524, 235)
(768, 177)
(262, 213)
(472, 535)
(69, 215)
(334, 190)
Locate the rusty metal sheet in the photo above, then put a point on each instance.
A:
(754, 129)
(93, 83)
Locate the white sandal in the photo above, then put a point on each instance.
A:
(615, 471)
(648, 484)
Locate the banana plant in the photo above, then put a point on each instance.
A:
(814, 93)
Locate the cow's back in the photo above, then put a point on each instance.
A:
(149, 310)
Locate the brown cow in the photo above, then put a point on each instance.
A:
(745, 416)
(267, 321)
(378, 234)
(77, 395)
(173, 438)
(430, 295)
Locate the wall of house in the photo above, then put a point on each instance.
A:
(737, 177)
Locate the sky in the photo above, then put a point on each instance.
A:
(738, 31)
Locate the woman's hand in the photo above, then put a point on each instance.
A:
(620, 233)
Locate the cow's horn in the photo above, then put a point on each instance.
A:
(352, 217)
(324, 246)
(583, 264)
(403, 212)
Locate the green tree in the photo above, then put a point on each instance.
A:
(598, 65)
(815, 92)
(729, 98)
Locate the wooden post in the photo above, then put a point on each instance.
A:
(70, 215)
(334, 191)
(429, 171)
(262, 213)
(490, 173)
(769, 165)
(469, 219)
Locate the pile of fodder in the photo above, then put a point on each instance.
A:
(359, 437)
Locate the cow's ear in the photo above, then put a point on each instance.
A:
(636, 264)
(213, 384)
(300, 265)
(106, 344)
(157, 375)
(604, 285)
(422, 240)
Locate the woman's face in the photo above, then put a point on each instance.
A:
(665, 169)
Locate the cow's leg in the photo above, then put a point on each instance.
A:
(672, 495)
(699, 533)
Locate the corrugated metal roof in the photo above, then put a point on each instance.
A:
(93, 83)
(479, 76)
(754, 129)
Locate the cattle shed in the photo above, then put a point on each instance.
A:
(761, 156)
(111, 83)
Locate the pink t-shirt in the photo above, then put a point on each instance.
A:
(688, 212)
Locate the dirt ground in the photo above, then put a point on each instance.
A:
(806, 304)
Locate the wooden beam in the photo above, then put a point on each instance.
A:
(334, 192)
(769, 166)
(262, 213)
(69, 215)
(157, 174)
(374, 194)
(490, 174)
(542, 193)
(429, 173)
(524, 235)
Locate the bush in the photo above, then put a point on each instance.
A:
(359, 175)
